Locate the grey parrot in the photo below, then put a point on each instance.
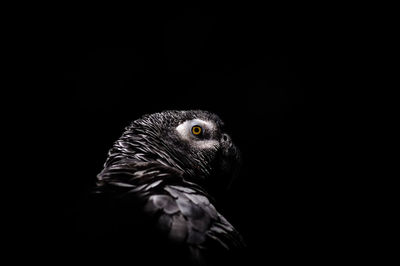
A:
(166, 171)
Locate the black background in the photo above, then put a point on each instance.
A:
(102, 69)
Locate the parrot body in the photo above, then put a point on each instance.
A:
(160, 176)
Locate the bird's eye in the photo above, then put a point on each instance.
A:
(197, 130)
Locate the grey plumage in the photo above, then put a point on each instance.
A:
(169, 173)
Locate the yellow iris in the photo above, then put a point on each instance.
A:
(196, 130)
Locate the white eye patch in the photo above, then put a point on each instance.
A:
(185, 131)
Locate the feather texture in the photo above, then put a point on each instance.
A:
(151, 169)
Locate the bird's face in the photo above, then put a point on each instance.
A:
(204, 140)
(204, 148)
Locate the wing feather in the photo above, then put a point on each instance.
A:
(180, 209)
